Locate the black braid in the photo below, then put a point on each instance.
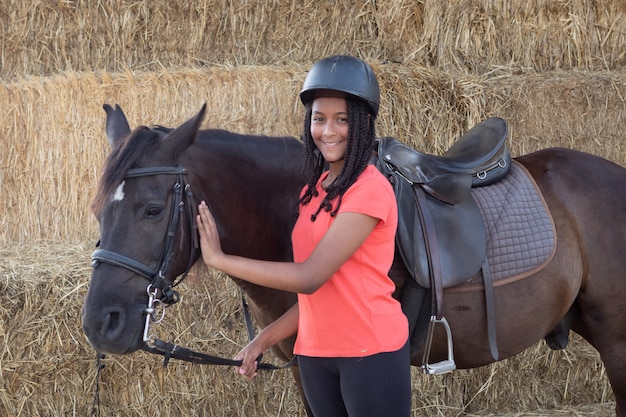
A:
(314, 163)
(361, 135)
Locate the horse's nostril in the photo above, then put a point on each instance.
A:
(113, 319)
(114, 322)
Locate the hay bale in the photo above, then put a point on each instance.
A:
(48, 369)
(479, 36)
(54, 144)
(579, 110)
(44, 38)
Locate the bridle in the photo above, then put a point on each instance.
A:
(160, 290)
(157, 279)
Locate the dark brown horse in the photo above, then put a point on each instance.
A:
(145, 210)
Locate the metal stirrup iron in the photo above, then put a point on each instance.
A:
(447, 365)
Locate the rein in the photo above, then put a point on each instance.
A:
(170, 350)
(160, 291)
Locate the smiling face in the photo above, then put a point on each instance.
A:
(329, 128)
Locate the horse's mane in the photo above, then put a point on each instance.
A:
(143, 142)
(140, 142)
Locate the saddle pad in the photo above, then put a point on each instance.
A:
(521, 237)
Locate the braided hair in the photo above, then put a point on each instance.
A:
(361, 135)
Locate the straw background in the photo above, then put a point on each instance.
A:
(556, 71)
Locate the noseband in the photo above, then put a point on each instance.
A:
(157, 276)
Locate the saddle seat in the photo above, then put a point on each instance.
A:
(480, 153)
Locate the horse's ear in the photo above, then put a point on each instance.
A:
(184, 135)
(116, 125)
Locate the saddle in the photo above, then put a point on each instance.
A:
(441, 235)
(435, 201)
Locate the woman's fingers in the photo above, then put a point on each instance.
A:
(209, 238)
(248, 367)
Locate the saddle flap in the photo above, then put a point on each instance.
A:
(461, 236)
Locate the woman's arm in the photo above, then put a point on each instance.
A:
(285, 326)
(343, 238)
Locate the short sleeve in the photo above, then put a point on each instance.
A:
(371, 194)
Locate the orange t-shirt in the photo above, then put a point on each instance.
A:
(353, 314)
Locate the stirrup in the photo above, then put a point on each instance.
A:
(444, 366)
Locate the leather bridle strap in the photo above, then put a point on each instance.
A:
(115, 259)
(148, 171)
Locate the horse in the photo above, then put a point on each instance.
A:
(154, 177)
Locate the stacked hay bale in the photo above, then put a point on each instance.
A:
(553, 70)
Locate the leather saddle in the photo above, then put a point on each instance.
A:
(441, 235)
(438, 219)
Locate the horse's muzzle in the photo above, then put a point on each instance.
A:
(109, 331)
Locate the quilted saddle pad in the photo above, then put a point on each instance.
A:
(521, 237)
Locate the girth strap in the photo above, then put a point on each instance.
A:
(490, 309)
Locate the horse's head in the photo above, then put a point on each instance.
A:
(147, 237)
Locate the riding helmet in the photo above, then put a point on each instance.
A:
(346, 74)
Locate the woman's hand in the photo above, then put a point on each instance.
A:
(209, 238)
(280, 329)
(249, 355)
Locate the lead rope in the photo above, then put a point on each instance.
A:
(95, 406)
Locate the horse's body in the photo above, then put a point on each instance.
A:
(252, 184)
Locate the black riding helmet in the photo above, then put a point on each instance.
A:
(346, 74)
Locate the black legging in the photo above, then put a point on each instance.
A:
(376, 386)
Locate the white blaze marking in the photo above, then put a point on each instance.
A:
(119, 192)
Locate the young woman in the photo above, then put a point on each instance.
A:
(351, 334)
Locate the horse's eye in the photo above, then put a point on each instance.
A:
(154, 211)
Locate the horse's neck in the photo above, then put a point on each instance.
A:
(252, 185)
(248, 159)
